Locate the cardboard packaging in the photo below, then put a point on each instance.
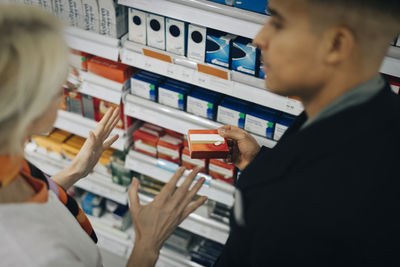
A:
(145, 86)
(79, 60)
(75, 13)
(170, 148)
(261, 120)
(92, 204)
(282, 124)
(156, 31)
(244, 56)
(120, 175)
(113, 18)
(203, 103)
(176, 36)
(259, 6)
(91, 18)
(62, 10)
(190, 163)
(101, 107)
(73, 101)
(172, 95)
(145, 140)
(207, 144)
(119, 218)
(137, 26)
(72, 146)
(196, 48)
(218, 48)
(232, 111)
(54, 141)
(88, 107)
(220, 170)
(109, 69)
(395, 84)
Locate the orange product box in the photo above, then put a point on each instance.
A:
(145, 141)
(170, 148)
(72, 146)
(190, 163)
(54, 141)
(173, 133)
(220, 170)
(207, 144)
(154, 127)
(109, 69)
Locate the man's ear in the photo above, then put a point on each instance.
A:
(338, 44)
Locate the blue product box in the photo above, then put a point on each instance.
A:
(282, 124)
(150, 74)
(178, 83)
(232, 111)
(173, 95)
(145, 86)
(261, 120)
(258, 6)
(218, 46)
(224, 2)
(92, 204)
(244, 56)
(203, 103)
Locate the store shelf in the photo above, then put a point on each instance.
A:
(237, 84)
(391, 64)
(92, 43)
(102, 88)
(81, 126)
(200, 224)
(204, 13)
(97, 183)
(215, 190)
(171, 118)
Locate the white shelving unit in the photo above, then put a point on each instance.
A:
(171, 118)
(81, 126)
(102, 185)
(102, 88)
(237, 84)
(93, 43)
(204, 13)
(216, 190)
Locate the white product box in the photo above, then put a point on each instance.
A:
(197, 162)
(228, 116)
(156, 31)
(137, 26)
(75, 13)
(61, 9)
(91, 15)
(196, 47)
(168, 97)
(46, 4)
(258, 126)
(113, 18)
(175, 32)
(280, 129)
(197, 106)
(144, 88)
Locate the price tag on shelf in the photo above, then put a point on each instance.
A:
(187, 74)
(293, 106)
(101, 92)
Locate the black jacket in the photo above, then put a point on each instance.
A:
(328, 195)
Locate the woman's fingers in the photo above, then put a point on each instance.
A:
(170, 187)
(133, 195)
(188, 197)
(182, 191)
(111, 141)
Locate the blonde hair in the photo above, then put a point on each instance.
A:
(33, 67)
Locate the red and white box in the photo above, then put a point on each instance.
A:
(395, 84)
(109, 69)
(145, 141)
(207, 144)
(221, 170)
(190, 163)
(170, 148)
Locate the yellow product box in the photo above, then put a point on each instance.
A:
(53, 142)
(72, 146)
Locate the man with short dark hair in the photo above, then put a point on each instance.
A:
(328, 193)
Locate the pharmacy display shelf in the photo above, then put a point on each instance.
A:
(208, 76)
(97, 183)
(205, 13)
(171, 118)
(102, 88)
(214, 189)
(121, 243)
(200, 224)
(93, 43)
(391, 63)
(79, 125)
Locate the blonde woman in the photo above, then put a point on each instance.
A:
(40, 225)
